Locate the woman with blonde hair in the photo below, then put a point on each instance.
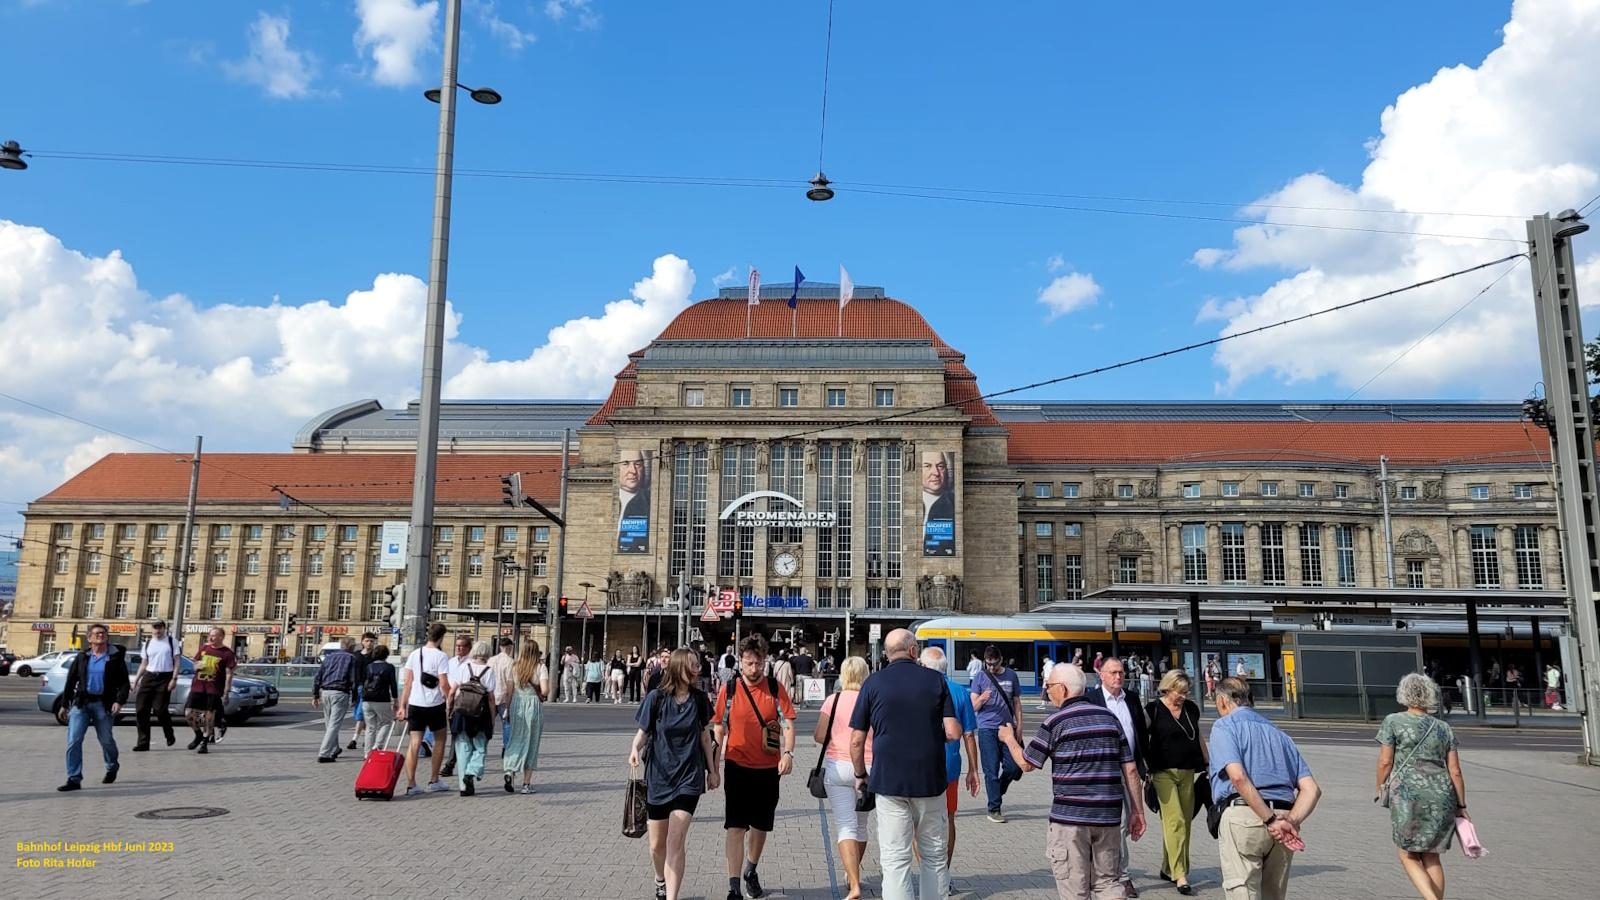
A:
(530, 686)
(1173, 753)
(1424, 790)
(839, 777)
(680, 763)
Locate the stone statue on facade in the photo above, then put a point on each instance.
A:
(1147, 488)
(761, 457)
(811, 456)
(1102, 488)
(908, 455)
(1433, 490)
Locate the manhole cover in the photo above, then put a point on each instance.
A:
(183, 812)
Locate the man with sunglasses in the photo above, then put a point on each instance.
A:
(997, 696)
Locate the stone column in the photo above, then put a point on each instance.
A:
(1550, 557)
(1252, 552)
(1505, 542)
(1460, 565)
(1291, 553)
(714, 501)
(1169, 569)
(1369, 561)
(1213, 553)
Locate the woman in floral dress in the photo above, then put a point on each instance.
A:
(1419, 764)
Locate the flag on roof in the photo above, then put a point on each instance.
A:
(794, 296)
(755, 286)
(847, 290)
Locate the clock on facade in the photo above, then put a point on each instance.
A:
(785, 564)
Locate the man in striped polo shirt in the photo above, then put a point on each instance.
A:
(1091, 766)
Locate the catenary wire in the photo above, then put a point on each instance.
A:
(827, 64)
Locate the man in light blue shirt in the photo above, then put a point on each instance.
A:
(1265, 791)
(933, 658)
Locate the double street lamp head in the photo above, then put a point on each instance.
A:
(486, 95)
(1569, 224)
(11, 156)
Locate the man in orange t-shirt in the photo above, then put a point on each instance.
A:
(746, 708)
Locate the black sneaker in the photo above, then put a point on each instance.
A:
(71, 785)
(661, 890)
(111, 775)
(171, 739)
(735, 895)
(752, 883)
(447, 771)
(141, 748)
(203, 744)
(350, 746)
(222, 731)
(467, 789)
(196, 742)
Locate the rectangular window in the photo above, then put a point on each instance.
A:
(824, 597)
(1269, 489)
(1041, 490)
(475, 533)
(119, 604)
(1044, 578)
(1043, 529)
(215, 609)
(538, 566)
(285, 563)
(127, 532)
(125, 562)
(883, 396)
(219, 562)
(272, 647)
(1477, 492)
(874, 598)
(541, 534)
(1311, 555)
(1416, 577)
(1191, 490)
(348, 534)
(1124, 491)
(252, 533)
(347, 563)
(1272, 563)
(1127, 570)
(686, 552)
(472, 600)
(884, 510)
(319, 532)
(1070, 489)
(314, 564)
(252, 563)
(694, 396)
(1485, 557)
(345, 606)
(94, 562)
(97, 531)
(1072, 577)
(786, 473)
(152, 602)
(158, 561)
(313, 606)
(834, 476)
(1233, 567)
(283, 534)
(221, 532)
(1194, 554)
(441, 564)
(247, 604)
(474, 565)
(61, 562)
(1072, 529)
(1307, 489)
(58, 602)
(1530, 570)
(1408, 492)
(739, 396)
(1522, 492)
(1344, 546)
(788, 396)
(280, 605)
(836, 396)
(377, 603)
(1230, 489)
(157, 532)
(444, 534)
(1341, 492)
(508, 534)
(64, 531)
(375, 563)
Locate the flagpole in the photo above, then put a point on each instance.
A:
(794, 320)
(841, 320)
(747, 320)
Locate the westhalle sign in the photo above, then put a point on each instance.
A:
(798, 517)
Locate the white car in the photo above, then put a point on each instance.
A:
(38, 664)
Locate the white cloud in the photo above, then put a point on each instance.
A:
(727, 277)
(582, 12)
(396, 33)
(506, 32)
(1055, 263)
(80, 336)
(1069, 293)
(272, 64)
(1494, 138)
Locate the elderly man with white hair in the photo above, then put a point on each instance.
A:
(933, 658)
(1092, 771)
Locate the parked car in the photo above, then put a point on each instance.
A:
(247, 697)
(41, 663)
(6, 659)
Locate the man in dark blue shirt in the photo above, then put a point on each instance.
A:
(332, 690)
(909, 711)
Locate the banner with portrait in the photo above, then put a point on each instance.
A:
(937, 474)
(634, 471)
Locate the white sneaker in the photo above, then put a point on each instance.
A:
(413, 791)
(438, 786)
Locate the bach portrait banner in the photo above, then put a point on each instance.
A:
(633, 500)
(938, 503)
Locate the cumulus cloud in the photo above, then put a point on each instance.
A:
(395, 34)
(726, 277)
(582, 12)
(1454, 155)
(1069, 293)
(506, 32)
(271, 63)
(1055, 263)
(80, 336)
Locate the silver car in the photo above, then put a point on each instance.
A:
(247, 696)
(44, 662)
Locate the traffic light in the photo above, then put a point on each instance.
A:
(288, 626)
(562, 608)
(738, 608)
(511, 489)
(396, 605)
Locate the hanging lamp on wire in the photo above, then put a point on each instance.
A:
(820, 190)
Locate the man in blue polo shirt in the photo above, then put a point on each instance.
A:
(910, 714)
(961, 698)
(1092, 773)
(1265, 791)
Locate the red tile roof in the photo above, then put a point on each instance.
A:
(1405, 443)
(464, 479)
(724, 320)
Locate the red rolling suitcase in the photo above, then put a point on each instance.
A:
(381, 771)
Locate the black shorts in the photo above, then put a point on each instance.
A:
(686, 802)
(425, 718)
(752, 796)
(203, 702)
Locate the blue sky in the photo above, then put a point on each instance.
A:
(1189, 102)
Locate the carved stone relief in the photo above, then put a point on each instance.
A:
(1128, 540)
(1102, 488)
(1147, 488)
(1433, 490)
(1415, 542)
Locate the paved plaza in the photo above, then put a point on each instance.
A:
(293, 828)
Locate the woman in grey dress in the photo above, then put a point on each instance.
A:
(1419, 764)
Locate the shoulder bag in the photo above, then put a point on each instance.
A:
(815, 783)
(1386, 790)
(635, 799)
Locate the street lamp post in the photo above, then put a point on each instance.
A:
(419, 551)
(583, 634)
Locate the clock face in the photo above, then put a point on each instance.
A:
(785, 564)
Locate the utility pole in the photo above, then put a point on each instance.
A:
(1555, 299)
(551, 622)
(181, 599)
(1388, 530)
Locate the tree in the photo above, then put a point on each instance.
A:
(1591, 360)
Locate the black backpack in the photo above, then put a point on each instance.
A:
(376, 687)
(472, 698)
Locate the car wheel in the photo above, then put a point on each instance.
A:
(24, 672)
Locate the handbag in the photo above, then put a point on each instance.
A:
(815, 783)
(771, 732)
(1386, 790)
(1467, 833)
(635, 812)
(866, 801)
(1202, 792)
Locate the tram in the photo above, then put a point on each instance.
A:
(1025, 641)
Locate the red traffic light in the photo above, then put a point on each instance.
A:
(738, 607)
(562, 606)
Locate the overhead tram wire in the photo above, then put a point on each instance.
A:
(1584, 209)
(769, 183)
(827, 65)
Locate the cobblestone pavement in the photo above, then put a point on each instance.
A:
(294, 830)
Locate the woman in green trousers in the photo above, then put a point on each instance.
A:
(1174, 754)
